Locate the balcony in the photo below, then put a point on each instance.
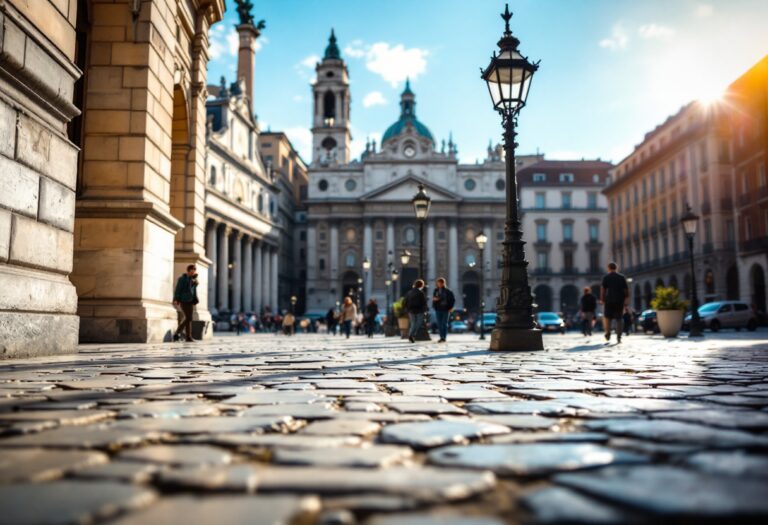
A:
(754, 245)
(568, 243)
(726, 203)
(706, 208)
(542, 243)
(744, 199)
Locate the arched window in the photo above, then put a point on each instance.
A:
(272, 207)
(260, 203)
(213, 176)
(329, 105)
(328, 143)
(349, 259)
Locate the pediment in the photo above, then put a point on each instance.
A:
(402, 190)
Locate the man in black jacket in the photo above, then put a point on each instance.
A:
(588, 307)
(443, 301)
(185, 298)
(416, 305)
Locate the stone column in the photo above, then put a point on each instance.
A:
(248, 274)
(266, 272)
(431, 257)
(453, 260)
(391, 240)
(274, 279)
(211, 251)
(368, 252)
(258, 300)
(237, 272)
(334, 258)
(311, 265)
(223, 292)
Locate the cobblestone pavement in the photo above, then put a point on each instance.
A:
(319, 429)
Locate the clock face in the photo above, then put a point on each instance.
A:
(409, 151)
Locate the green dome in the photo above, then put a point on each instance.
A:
(407, 116)
(399, 127)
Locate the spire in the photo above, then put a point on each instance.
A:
(332, 51)
(407, 102)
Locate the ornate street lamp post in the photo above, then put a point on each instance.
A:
(405, 256)
(481, 239)
(690, 221)
(509, 77)
(366, 267)
(294, 300)
(421, 203)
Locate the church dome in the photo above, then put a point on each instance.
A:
(407, 116)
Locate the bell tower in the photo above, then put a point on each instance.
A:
(330, 123)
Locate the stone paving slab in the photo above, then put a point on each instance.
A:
(315, 429)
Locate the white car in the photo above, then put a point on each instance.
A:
(725, 314)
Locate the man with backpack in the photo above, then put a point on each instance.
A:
(443, 301)
(416, 305)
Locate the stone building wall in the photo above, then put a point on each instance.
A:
(38, 173)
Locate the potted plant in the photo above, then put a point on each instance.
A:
(669, 310)
(402, 316)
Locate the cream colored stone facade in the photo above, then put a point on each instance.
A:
(38, 173)
(140, 217)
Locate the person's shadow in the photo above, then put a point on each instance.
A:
(587, 348)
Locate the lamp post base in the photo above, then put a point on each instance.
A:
(516, 340)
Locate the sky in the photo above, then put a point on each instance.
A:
(611, 70)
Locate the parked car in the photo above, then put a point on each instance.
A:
(489, 322)
(648, 322)
(550, 322)
(457, 327)
(724, 314)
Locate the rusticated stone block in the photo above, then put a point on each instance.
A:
(40, 149)
(7, 130)
(5, 234)
(26, 334)
(40, 245)
(19, 187)
(24, 289)
(57, 205)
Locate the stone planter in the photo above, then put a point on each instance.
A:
(403, 323)
(670, 322)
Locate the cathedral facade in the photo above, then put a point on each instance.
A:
(360, 209)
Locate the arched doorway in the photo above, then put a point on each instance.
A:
(638, 298)
(673, 282)
(709, 285)
(757, 276)
(647, 295)
(569, 300)
(349, 285)
(659, 282)
(470, 290)
(543, 297)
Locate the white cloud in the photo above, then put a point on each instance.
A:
(704, 10)
(655, 31)
(301, 138)
(618, 39)
(374, 98)
(233, 42)
(226, 42)
(310, 61)
(396, 63)
(355, 49)
(298, 98)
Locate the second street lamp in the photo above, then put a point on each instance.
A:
(690, 221)
(421, 202)
(366, 267)
(509, 77)
(481, 239)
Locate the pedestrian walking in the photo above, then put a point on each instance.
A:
(185, 298)
(443, 302)
(628, 320)
(289, 322)
(347, 316)
(614, 295)
(416, 306)
(588, 305)
(371, 311)
(330, 321)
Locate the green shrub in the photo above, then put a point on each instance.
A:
(399, 308)
(668, 298)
